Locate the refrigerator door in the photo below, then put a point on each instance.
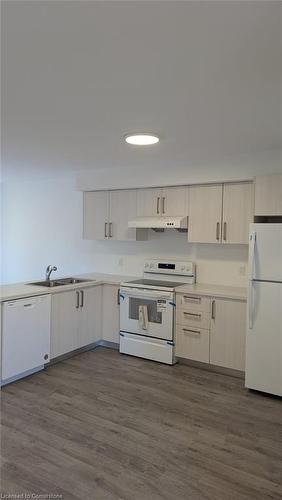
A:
(265, 252)
(264, 338)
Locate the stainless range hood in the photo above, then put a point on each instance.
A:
(160, 223)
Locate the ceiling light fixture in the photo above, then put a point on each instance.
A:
(142, 139)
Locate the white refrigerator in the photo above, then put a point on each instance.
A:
(264, 330)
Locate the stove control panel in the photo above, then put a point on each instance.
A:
(180, 268)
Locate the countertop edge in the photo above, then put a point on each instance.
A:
(96, 279)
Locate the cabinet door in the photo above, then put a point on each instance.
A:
(205, 207)
(268, 195)
(149, 201)
(123, 207)
(110, 313)
(174, 201)
(228, 333)
(64, 322)
(238, 211)
(95, 215)
(90, 323)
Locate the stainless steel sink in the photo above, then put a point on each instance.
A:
(61, 282)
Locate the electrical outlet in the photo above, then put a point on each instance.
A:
(120, 262)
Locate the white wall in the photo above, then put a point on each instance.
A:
(43, 225)
(240, 167)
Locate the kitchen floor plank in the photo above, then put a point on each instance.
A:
(107, 426)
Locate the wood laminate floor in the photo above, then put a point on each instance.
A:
(106, 426)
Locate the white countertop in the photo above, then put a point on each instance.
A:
(22, 290)
(228, 292)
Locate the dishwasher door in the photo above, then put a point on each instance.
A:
(25, 336)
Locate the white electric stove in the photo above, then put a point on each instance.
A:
(147, 310)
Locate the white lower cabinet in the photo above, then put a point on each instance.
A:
(110, 313)
(211, 330)
(228, 333)
(193, 343)
(76, 319)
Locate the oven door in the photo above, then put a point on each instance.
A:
(147, 312)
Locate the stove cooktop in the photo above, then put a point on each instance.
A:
(156, 283)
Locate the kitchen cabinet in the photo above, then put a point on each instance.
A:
(205, 206)
(162, 201)
(193, 343)
(228, 333)
(211, 330)
(238, 212)
(110, 313)
(122, 208)
(106, 215)
(268, 195)
(193, 327)
(76, 319)
(220, 213)
(64, 322)
(90, 321)
(95, 215)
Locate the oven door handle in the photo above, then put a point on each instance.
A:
(157, 295)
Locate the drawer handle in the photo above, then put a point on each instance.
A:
(191, 331)
(192, 299)
(192, 314)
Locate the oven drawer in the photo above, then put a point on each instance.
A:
(193, 343)
(193, 303)
(198, 319)
(144, 347)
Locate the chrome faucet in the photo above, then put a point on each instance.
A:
(49, 270)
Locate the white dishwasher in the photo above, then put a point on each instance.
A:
(25, 336)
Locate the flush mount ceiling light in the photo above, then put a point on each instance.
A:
(142, 139)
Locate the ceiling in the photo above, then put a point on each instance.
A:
(77, 76)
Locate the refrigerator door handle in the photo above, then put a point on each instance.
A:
(252, 253)
(251, 304)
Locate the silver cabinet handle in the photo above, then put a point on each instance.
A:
(82, 298)
(192, 314)
(106, 229)
(192, 299)
(163, 200)
(110, 229)
(77, 299)
(188, 330)
(213, 310)
(217, 230)
(158, 205)
(225, 231)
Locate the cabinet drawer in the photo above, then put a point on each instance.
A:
(198, 319)
(193, 303)
(192, 343)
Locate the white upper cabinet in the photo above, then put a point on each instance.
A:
(205, 206)
(162, 201)
(149, 201)
(123, 207)
(106, 215)
(220, 213)
(95, 215)
(268, 195)
(238, 212)
(174, 201)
